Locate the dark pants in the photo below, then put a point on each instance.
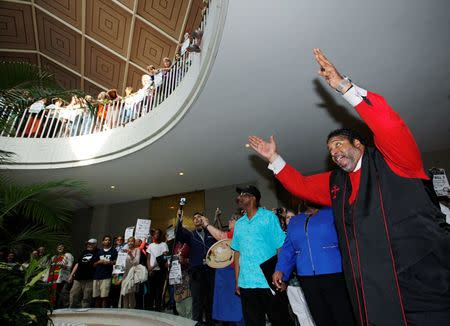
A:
(142, 296)
(202, 287)
(114, 295)
(425, 289)
(256, 303)
(328, 299)
(156, 285)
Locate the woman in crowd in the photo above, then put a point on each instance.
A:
(128, 291)
(157, 269)
(294, 291)
(59, 271)
(226, 304)
(311, 246)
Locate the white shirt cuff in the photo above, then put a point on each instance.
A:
(355, 95)
(277, 165)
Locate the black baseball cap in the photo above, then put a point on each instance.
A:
(252, 190)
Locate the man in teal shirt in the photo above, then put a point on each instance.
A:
(257, 237)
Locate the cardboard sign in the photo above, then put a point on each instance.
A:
(129, 232)
(440, 182)
(142, 230)
(175, 273)
(119, 267)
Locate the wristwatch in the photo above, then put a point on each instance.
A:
(343, 84)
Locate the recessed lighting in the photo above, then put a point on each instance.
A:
(172, 207)
(113, 187)
(247, 145)
(180, 173)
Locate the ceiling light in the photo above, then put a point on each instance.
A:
(172, 207)
(247, 145)
(180, 173)
(113, 187)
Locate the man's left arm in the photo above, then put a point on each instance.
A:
(392, 136)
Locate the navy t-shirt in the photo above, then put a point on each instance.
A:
(85, 270)
(104, 271)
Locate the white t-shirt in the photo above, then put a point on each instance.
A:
(156, 250)
(446, 211)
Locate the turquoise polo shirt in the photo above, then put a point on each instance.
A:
(256, 240)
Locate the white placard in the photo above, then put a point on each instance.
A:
(440, 182)
(170, 233)
(129, 232)
(142, 230)
(119, 267)
(175, 273)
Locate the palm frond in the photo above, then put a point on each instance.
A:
(23, 83)
(45, 203)
(22, 74)
(37, 234)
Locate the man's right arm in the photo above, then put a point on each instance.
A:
(182, 234)
(313, 188)
(236, 271)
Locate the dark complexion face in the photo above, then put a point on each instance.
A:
(106, 242)
(244, 200)
(344, 153)
(157, 236)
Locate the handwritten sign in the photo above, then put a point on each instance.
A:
(142, 230)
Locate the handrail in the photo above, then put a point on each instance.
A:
(71, 122)
(105, 144)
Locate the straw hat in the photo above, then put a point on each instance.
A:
(220, 254)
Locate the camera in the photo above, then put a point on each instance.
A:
(182, 201)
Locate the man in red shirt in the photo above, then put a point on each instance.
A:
(393, 249)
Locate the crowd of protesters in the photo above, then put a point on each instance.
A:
(51, 118)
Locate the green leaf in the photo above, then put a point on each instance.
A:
(37, 301)
(30, 316)
(33, 281)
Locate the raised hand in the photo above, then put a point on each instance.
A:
(327, 70)
(267, 150)
(205, 221)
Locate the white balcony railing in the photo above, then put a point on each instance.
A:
(59, 138)
(54, 122)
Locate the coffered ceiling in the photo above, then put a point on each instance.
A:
(95, 45)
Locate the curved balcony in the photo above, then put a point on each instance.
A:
(59, 138)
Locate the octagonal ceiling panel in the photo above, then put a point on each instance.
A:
(109, 24)
(96, 34)
(59, 41)
(128, 3)
(166, 14)
(68, 10)
(16, 26)
(92, 89)
(66, 79)
(134, 77)
(103, 66)
(150, 47)
(194, 16)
